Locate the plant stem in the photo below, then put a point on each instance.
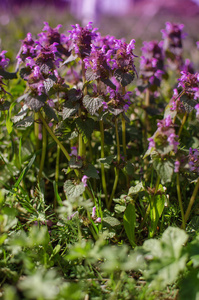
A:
(191, 202)
(117, 142)
(114, 187)
(182, 124)
(56, 139)
(84, 78)
(180, 201)
(102, 165)
(36, 132)
(124, 137)
(62, 148)
(43, 154)
(116, 168)
(80, 140)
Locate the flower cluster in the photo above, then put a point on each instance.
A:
(118, 102)
(152, 63)
(175, 103)
(3, 60)
(190, 84)
(98, 61)
(41, 58)
(164, 139)
(81, 38)
(123, 57)
(194, 160)
(173, 35)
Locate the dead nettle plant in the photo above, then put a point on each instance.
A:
(124, 136)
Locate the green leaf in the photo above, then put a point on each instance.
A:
(119, 208)
(129, 168)
(107, 160)
(25, 170)
(91, 171)
(156, 212)
(4, 105)
(7, 75)
(136, 189)
(21, 114)
(108, 82)
(92, 104)
(74, 95)
(26, 122)
(50, 113)
(43, 284)
(9, 123)
(71, 58)
(73, 190)
(8, 218)
(129, 220)
(36, 102)
(166, 257)
(85, 127)
(124, 77)
(91, 75)
(188, 103)
(69, 109)
(111, 221)
(49, 82)
(164, 168)
(189, 286)
(75, 163)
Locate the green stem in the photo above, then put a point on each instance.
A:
(146, 119)
(116, 168)
(80, 140)
(56, 139)
(114, 187)
(180, 201)
(124, 137)
(182, 124)
(57, 165)
(84, 78)
(150, 206)
(102, 165)
(191, 202)
(62, 148)
(43, 154)
(36, 132)
(117, 142)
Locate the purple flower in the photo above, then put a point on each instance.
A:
(105, 105)
(30, 62)
(84, 180)
(51, 102)
(194, 160)
(40, 88)
(177, 166)
(151, 143)
(93, 212)
(173, 35)
(164, 135)
(3, 61)
(82, 38)
(36, 72)
(190, 84)
(98, 220)
(172, 141)
(152, 63)
(74, 151)
(72, 216)
(197, 110)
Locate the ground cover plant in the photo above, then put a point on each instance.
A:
(99, 168)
